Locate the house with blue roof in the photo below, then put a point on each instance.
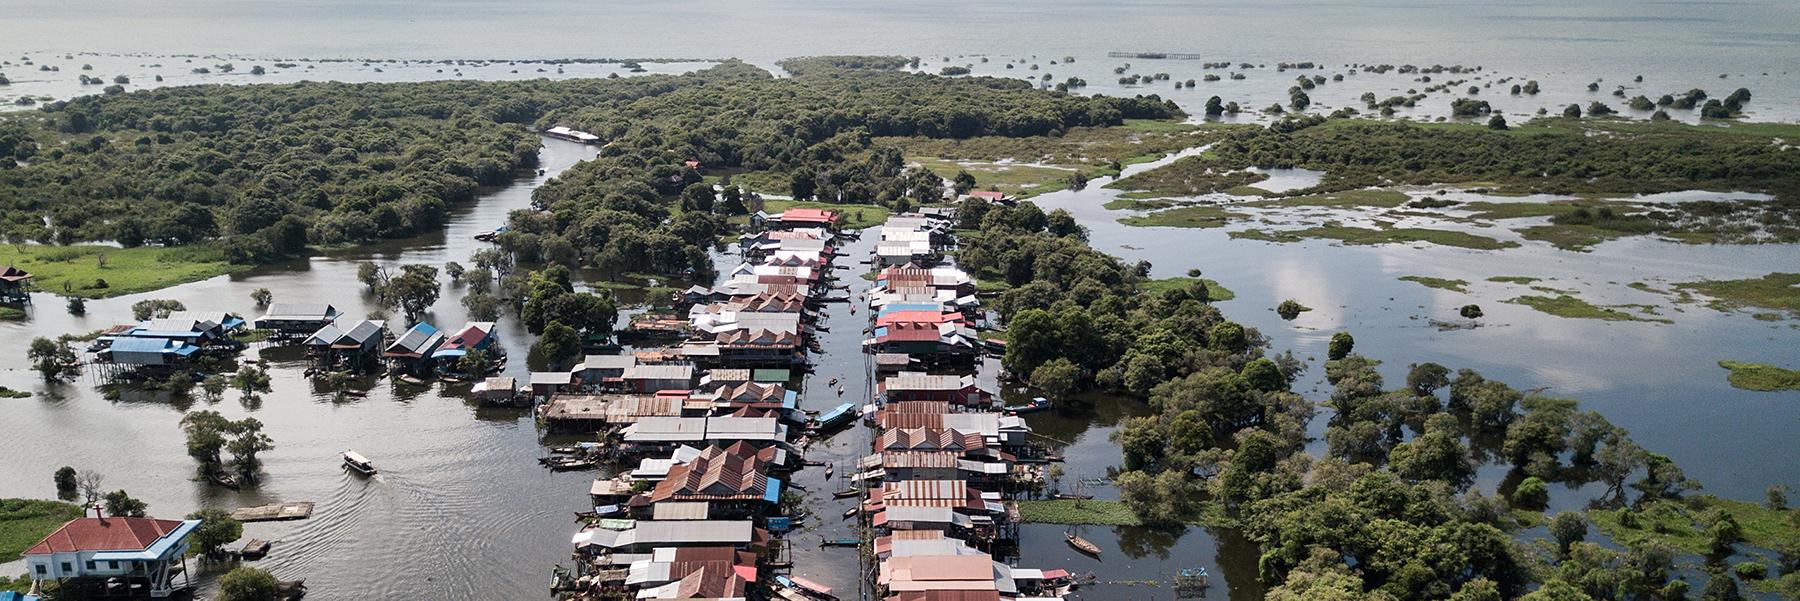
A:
(139, 351)
(411, 352)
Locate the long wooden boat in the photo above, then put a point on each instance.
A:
(225, 479)
(358, 463)
(846, 493)
(1081, 544)
(841, 542)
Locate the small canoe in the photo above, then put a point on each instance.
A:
(1081, 544)
(846, 493)
(828, 472)
(849, 513)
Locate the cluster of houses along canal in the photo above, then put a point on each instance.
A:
(703, 444)
(822, 423)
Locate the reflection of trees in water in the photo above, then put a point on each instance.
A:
(1237, 559)
(1138, 542)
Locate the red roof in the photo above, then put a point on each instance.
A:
(468, 338)
(104, 534)
(911, 332)
(809, 215)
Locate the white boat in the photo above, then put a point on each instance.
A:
(356, 461)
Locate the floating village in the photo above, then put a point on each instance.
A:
(696, 427)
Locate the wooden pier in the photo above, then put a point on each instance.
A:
(299, 510)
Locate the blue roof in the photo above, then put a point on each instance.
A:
(772, 492)
(449, 352)
(790, 400)
(910, 307)
(839, 413)
(141, 345)
(156, 550)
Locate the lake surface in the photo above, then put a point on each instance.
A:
(461, 509)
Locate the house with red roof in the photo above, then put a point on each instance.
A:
(145, 552)
(802, 217)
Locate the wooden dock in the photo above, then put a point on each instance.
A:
(299, 510)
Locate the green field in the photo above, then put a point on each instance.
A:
(1684, 526)
(1065, 511)
(1761, 377)
(125, 270)
(23, 522)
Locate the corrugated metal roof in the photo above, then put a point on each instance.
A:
(680, 510)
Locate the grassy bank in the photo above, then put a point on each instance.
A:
(1761, 377)
(1359, 235)
(1575, 308)
(23, 522)
(1213, 290)
(1195, 216)
(1438, 283)
(104, 271)
(1777, 291)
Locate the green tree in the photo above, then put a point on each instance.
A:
(964, 182)
(413, 292)
(66, 484)
(1263, 375)
(1057, 377)
(1340, 346)
(248, 441)
(245, 583)
(206, 432)
(698, 198)
(77, 306)
(1777, 497)
(119, 504)
(1568, 528)
(1290, 309)
(1531, 493)
(473, 363)
(52, 358)
(1497, 121)
(155, 308)
(1215, 106)
(217, 529)
(1470, 312)
(1572, 112)
(1426, 378)
(262, 297)
(1438, 454)
(482, 306)
(559, 343)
